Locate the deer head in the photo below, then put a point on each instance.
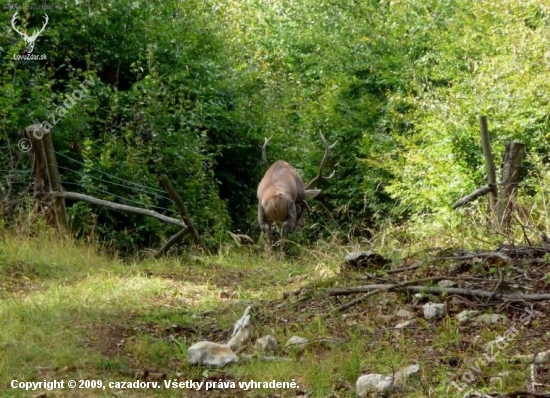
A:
(29, 40)
(282, 194)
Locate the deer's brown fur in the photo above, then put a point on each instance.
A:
(281, 199)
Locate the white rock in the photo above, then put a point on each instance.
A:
(446, 283)
(241, 331)
(402, 374)
(434, 310)
(490, 319)
(373, 383)
(498, 379)
(266, 344)
(378, 383)
(402, 313)
(405, 325)
(239, 338)
(297, 342)
(211, 354)
(466, 315)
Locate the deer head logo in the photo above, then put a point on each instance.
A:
(29, 40)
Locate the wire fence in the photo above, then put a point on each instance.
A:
(17, 182)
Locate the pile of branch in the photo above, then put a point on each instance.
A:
(500, 293)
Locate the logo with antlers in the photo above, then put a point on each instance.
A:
(29, 40)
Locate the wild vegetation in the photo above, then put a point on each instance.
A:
(190, 89)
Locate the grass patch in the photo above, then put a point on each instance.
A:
(67, 312)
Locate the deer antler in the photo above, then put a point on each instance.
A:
(264, 154)
(328, 148)
(13, 20)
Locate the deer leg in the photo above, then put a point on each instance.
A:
(289, 223)
(300, 210)
(264, 225)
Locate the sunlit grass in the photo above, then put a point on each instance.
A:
(66, 310)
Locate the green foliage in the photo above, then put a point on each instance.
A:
(143, 118)
(190, 89)
(486, 61)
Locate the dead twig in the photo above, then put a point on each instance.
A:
(537, 359)
(486, 255)
(405, 269)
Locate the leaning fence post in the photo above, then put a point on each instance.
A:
(183, 212)
(511, 176)
(489, 162)
(171, 242)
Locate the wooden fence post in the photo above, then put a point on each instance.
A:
(39, 168)
(511, 176)
(171, 242)
(45, 169)
(489, 163)
(55, 184)
(183, 212)
(502, 202)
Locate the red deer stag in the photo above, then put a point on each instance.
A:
(282, 195)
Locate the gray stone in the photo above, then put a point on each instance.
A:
(434, 310)
(210, 354)
(491, 319)
(406, 324)
(403, 374)
(373, 383)
(297, 342)
(266, 344)
(365, 259)
(379, 383)
(446, 283)
(466, 315)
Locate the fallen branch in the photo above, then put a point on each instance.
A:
(486, 255)
(182, 209)
(538, 358)
(443, 278)
(515, 252)
(388, 287)
(505, 253)
(171, 242)
(119, 207)
(373, 289)
(405, 269)
(357, 300)
(473, 196)
(521, 394)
